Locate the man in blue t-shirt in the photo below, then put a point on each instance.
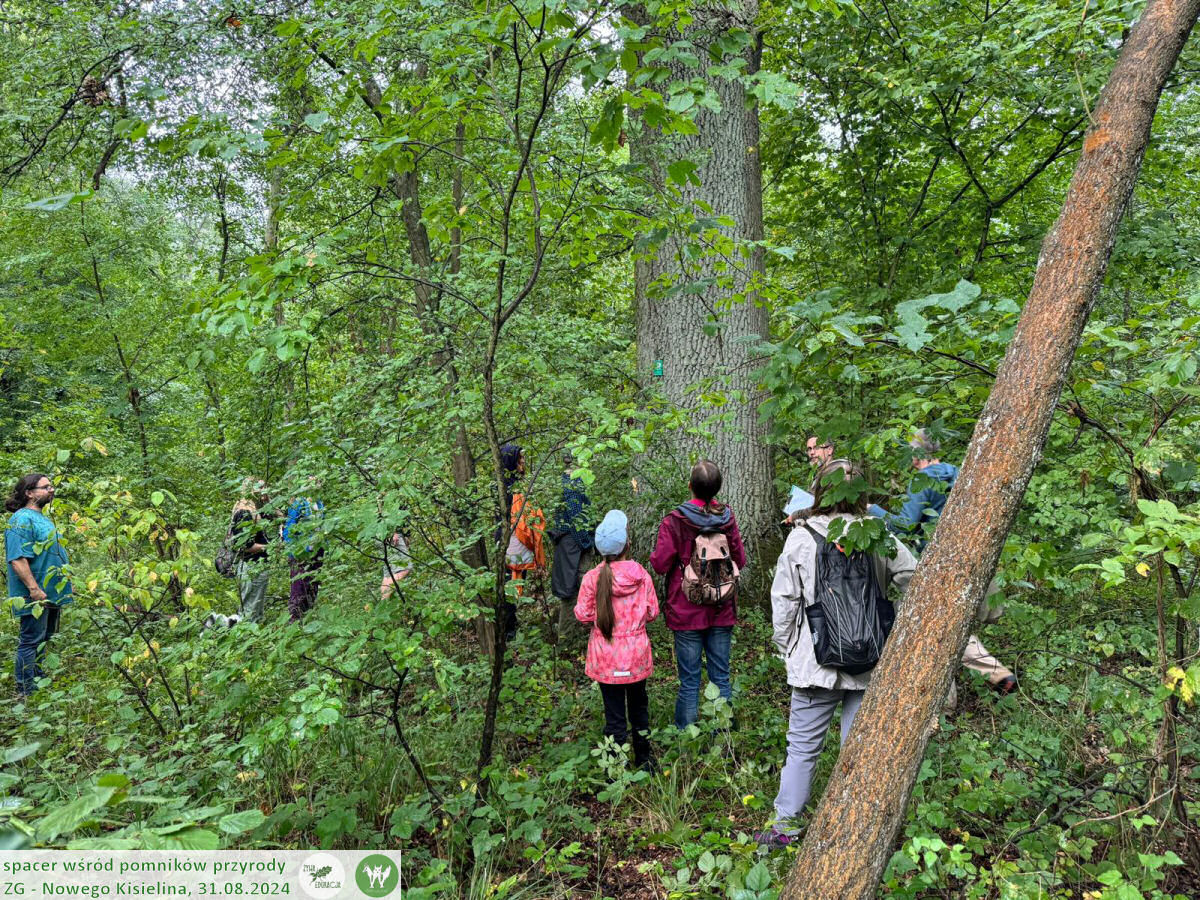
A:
(38, 587)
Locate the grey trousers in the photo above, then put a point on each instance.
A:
(812, 711)
(252, 579)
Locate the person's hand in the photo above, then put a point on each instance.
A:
(37, 595)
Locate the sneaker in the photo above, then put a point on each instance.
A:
(1005, 685)
(774, 839)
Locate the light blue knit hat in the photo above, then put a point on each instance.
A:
(612, 534)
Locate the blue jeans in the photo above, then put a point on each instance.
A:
(31, 646)
(714, 642)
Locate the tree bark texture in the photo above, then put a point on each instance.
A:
(670, 327)
(853, 832)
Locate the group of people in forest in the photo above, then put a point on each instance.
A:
(300, 532)
(617, 598)
(698, 550)
(39, 586)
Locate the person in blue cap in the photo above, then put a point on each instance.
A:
(617, 598)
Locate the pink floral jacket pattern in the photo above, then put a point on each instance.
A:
(627, 657)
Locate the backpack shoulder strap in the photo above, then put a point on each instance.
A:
(815, 534)
(879, 566)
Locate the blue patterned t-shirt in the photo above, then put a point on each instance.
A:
(31, 535)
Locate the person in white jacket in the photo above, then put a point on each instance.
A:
(817, 690)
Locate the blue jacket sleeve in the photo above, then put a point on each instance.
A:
(909, 517)
(295, 513)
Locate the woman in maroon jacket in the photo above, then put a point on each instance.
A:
(698, 629)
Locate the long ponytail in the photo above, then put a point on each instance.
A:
(605, 618)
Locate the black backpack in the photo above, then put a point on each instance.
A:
(851, 617)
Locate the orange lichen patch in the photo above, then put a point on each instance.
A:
(1096, 138)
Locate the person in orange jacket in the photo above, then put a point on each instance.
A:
(526, 549)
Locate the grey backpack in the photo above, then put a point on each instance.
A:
(225, 562)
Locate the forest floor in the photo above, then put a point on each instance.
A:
(1042, 793)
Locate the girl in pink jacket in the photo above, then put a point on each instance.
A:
(618, 598)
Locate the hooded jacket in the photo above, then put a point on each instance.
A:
(626, 658)
(673, 551)
(526, 549)
(792, 593)
(924, 504)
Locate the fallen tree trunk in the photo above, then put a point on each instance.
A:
(853, 832)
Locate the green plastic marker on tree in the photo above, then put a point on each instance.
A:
(658, 368)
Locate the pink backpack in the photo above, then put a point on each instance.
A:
(711, 576)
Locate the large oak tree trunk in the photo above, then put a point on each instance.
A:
(853, 833)
(671, 325)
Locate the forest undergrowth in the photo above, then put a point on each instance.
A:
(286, 736)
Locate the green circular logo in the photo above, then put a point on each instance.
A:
(377, 875)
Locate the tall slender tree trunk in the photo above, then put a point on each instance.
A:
(271, 245)
(671, 324)
(406, 188)
(853, 832)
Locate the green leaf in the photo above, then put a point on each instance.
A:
(59, 201)
(963, 293)
(239, 822)
(316, 121)
(11, 839)
(193, 839)
(105, 843)
(912, 332)
(257, 359)
(114, 780)
(71, 815)
(325, 716)
(682, 171)
(1111, 877)
(682, 102)
(16, 754)
(758, 878)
